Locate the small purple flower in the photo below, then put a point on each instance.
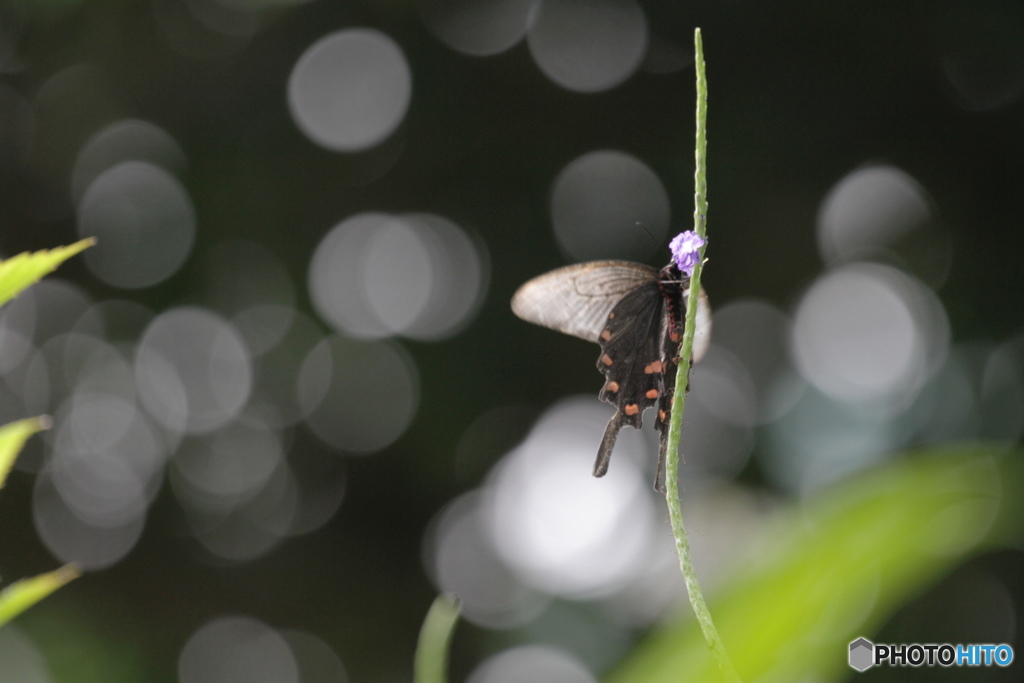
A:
(685, 250)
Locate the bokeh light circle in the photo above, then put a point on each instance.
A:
(563, 533)
(757, 334)
(317, 661)
(463, 561)
(143, 221)
(239, 274)
(588, 45)
(598, 199)
(47, 309)
(982, 54)
(237, 521)
(477, 28)
(529, 664)
(864, 332)
(237, 650)
(868, 209)
(248, 283)
(20, 659)
(1002, 392)
(881, 213)
(822, 439)
(119, 321)
(419, 275)
(192, 370)
(275, 373)
(227, 467)
(67, 108)
(350, 90)
(73, 539)
(124, 140)
(719, 418)
(358, 396)
(107, 461)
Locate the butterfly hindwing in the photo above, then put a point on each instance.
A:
(670, 349)
(632, 361)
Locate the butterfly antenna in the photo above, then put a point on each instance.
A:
(651, 235)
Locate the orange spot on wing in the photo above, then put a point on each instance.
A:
(606, 359)
(612, 387)
(662, 415)
(674, 336)
(632, 409)
(653, 393)
(606, 335)
(654, 367)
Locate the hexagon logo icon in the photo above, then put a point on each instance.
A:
(862, 654)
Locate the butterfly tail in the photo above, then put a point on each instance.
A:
(604, 451)
(659, 477)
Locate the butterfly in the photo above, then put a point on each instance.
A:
(635, 312)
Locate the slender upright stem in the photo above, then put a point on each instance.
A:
(675, 513)
(431, 664)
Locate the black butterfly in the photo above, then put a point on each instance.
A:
(636, 314)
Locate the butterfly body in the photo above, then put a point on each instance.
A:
(635, 313)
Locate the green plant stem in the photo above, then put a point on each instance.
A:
(432, 650)
(675, 513)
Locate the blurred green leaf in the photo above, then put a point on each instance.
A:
(12, 439)
(21, 595)
(25, 269)
(83, 644)
(839, 565)
(432, 649)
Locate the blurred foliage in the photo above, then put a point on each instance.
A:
(16, 274)
(432, 650)
(21, 595)
(24, 270)
(836, 568)
(13, 437)
(88, 647)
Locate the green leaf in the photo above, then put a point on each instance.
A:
(839, 565)
(23, 270)
(21, 595)
(432, 649)
(13, 437)
(85, 647)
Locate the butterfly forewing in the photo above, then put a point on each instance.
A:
(577, 299)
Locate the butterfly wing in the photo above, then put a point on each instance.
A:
(633, 362)
(577, 299)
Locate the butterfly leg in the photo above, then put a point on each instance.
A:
(604, 451)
